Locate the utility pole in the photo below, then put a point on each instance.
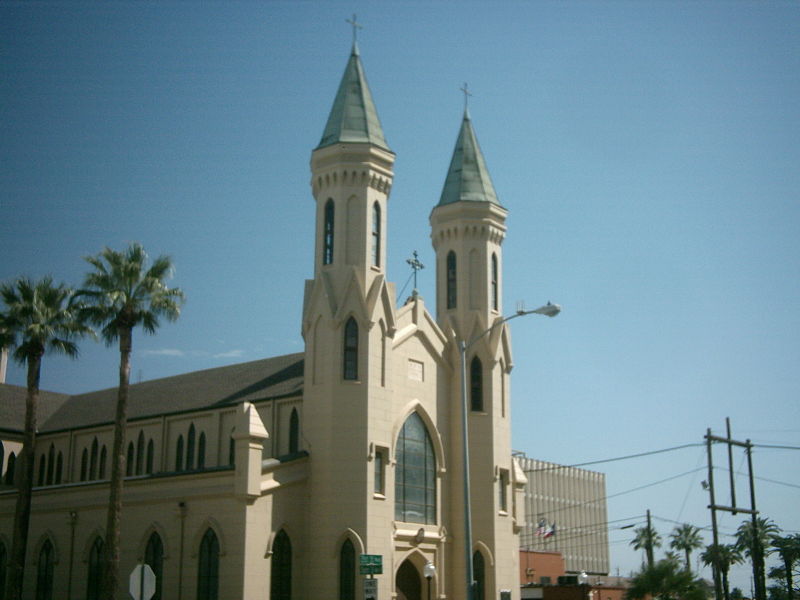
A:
(757, 551)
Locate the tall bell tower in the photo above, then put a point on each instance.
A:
(348, 324)
(467, 231)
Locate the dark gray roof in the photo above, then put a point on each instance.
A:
(264, 379)
(12, 406)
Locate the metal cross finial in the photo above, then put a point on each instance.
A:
(467, 94)
(416, 265)
(356, 26)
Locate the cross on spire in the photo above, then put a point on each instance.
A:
(467, 94)
(416, 265)
(356, 26)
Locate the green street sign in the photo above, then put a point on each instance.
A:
(370, 564)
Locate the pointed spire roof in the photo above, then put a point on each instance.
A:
(353, 117)
(468, 178)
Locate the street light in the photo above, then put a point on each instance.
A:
(429, 570)
(548, 310)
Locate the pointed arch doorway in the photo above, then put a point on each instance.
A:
(408, 582)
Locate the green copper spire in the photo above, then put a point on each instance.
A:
(353, 116)
(468, 178)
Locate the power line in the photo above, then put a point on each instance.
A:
(605, 460)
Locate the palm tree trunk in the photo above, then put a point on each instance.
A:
(22, 511)
(111, 580)
(725, 584)
(688, 561)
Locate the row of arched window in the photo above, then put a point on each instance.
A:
(139, 457)
(7, 476)
(451, 282)
(193, 456)
(328, 230)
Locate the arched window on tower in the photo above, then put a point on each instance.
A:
(208, 567)
(327, 234)
(479, 576)
(350, 362)
(10, 468)
(44, 572)
(93, 458)
(281, 572)
(451, 279)
(376, 235)
(415, 474)
(476, 384)
(347, 571)
(84, 464)
(494, 286)
(294, 432)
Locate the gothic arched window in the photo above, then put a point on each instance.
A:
(150, 455)
(281, 572)
(376, 235)
(190, 448)
(84, 463)
(415, 474)
(44, 572)
(51, 464)
(350, 362)
(129, 463)
(476, 384)
(140, 453)
(294, 432)
(327, 234)
(451, 279)
(154, 556)
(179, 454)
(101, 473)
(93, 458)
(495, 286)
(59, 467)
(42, 468)
(95, 574)
(479, 576)
(208, 567)
(347, 571)
(201, 451)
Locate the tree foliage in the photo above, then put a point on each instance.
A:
(646, 538)
(666, 580)
(686, 538)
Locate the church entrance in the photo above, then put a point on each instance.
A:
(408, 582)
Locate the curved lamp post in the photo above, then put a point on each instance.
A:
(548, 310)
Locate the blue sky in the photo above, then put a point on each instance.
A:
(647, 153)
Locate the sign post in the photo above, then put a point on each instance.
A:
(370, 564)
(142, 583)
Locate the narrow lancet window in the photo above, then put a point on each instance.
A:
(327, 242)
(350, 366)
(376, 235)
(476, 385)
(451, 279)
(495, 291)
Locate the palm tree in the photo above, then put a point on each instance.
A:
(39, 317)
(720, 557)
(788, 548)
(646, 538)
(120, 294)
(686, 538)
(752, 540)
(665, 580)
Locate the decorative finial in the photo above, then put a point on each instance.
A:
(467, 94)
(356, 26)
(416, 265)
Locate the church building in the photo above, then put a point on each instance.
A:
(288, 477)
